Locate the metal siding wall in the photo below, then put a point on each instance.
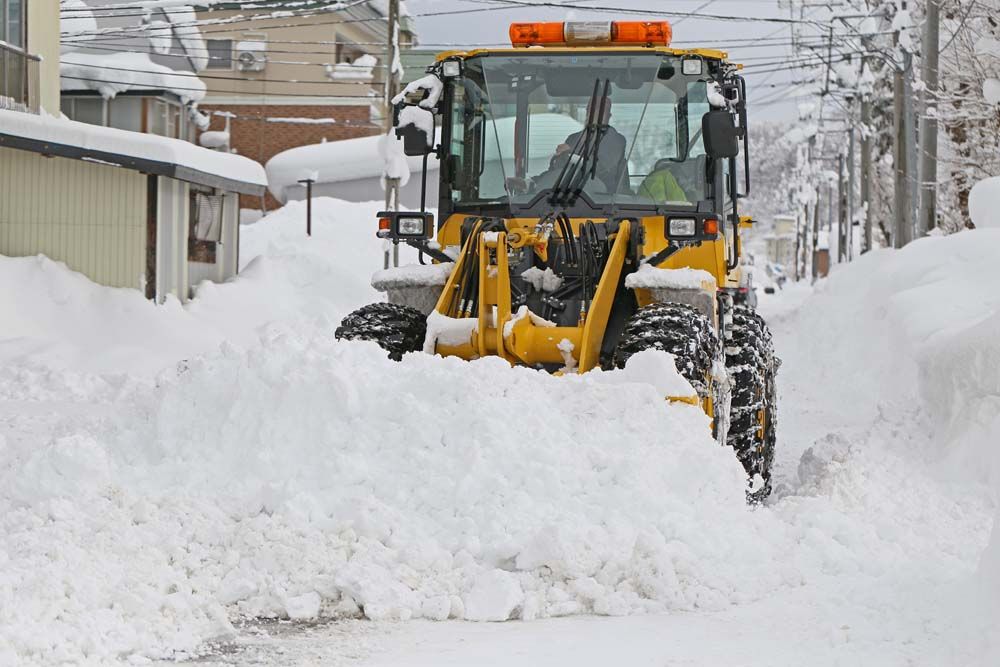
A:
(90, 216)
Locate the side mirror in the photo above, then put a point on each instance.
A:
(415, 126)
(721, 136)
(414, 140)
(768, 290)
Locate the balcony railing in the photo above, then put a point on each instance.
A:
(18, 79)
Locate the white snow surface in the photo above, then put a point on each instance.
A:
(214, 139)
(547, 280)
(433, 85)
(346, 160)
(412, 275)
(984, 203)
(991, 90)
(651, 277)
(150, 494)
(133, 144)
(420, 118)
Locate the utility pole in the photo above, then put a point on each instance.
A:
(866, 168)
(841, 210)
(850, 195)
(900, 153)
(391, 88)
(927, 219)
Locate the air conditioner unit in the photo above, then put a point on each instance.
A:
(251, 56)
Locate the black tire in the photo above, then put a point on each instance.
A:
(678, 329)
(752, 368)
(397, 329)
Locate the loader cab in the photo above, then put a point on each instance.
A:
(512, 121)
(592, 121)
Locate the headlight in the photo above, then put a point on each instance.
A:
(451, 68)
(691, 66)
(682, 226)
(410, 227)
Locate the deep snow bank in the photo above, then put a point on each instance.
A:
(287, 276)
(312, 476)
(59, 319)
(919, 329)
(919, 332)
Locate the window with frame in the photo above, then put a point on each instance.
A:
(346, 51)
(12, 22)
(220, 53)
(205, 224)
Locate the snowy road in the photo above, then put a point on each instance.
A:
(915, 605)
(229, 460)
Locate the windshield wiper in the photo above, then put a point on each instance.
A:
(591, 159)
(568, 186)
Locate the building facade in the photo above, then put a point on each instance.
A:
(312, 75)
(124, 208)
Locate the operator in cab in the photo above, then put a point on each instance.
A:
(612, 166)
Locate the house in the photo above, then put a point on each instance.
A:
(134, 70)
(124, 208)
(780, 243)
(290, 73)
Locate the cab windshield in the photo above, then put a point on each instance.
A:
(517, 120)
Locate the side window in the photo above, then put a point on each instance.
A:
(456, 146)
(12, 22)
(204, 224)
(220, 53)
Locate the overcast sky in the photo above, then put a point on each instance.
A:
(488, 26)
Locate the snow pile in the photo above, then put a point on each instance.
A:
(362, 69)
(285, 473)
(289, 277)
(49, 295)
(286, 276)
(319, 494)
(214, 139)
(926, 319)
(346, 160)
(421, 119)
(547, 280)
(413, 275)
(651, 277)
(984, 203)
(430, 84)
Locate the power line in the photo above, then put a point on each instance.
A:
(193, 75)
(372, 97)
(190, 24)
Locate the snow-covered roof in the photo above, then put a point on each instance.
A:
(132, 150)
(113, 73)
(333, 162)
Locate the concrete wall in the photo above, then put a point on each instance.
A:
(90, 216)
(43, 40)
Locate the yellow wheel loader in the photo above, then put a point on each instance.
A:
(587, 210)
